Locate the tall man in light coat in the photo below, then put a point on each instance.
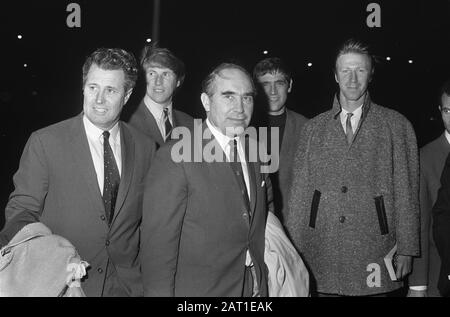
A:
(83, 178)
(275, 79)
(355, 189)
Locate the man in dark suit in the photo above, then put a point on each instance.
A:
(441, 209)
(275, 79)
(155, 115)
(204, 216)
(83, 177)
(425, 274)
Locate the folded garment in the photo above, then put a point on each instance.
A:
(40, 264)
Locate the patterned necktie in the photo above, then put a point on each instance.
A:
(167, 125)
(111, 178)
(349, 129)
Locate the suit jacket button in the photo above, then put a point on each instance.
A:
(344, 189)
(107, 242)
(342, 219)
(102, 217)
(245, 215)
(100, 270)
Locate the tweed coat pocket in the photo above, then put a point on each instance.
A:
(314, 208)
(381, 212)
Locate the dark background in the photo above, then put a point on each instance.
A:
(203, 33)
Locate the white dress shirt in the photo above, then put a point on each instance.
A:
(224, 142)
(95, 140)
(157, 111)
(354, 120)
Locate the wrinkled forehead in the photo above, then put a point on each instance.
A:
(354, 59)
(231, 78)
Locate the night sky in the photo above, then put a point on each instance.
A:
(204, 33)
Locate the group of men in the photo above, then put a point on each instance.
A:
(152, 224)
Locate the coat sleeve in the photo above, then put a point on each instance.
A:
(31, 183)
(164, 207)
(419, 275)
(406, 191)
(441, 229)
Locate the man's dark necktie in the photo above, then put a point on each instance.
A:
(237, 168)
(349, 129)
(167, 124)
(111, 178)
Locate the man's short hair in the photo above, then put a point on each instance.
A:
(151, 54)
(272, 65)
(208, 82)
(357, 47)
(113, 59)
(445, 89)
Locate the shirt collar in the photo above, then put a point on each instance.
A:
(221, 138)
(356, 113)
(447, 136)
(96, 133)
(336, 110)
(156, 109)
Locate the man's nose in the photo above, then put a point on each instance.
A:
(273, 89)
(158, 80)
(100, 98)
(239, 104)
(353, 76)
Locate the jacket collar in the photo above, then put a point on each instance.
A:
(336, 110)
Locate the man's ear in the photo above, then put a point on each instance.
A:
(178, 83)
(127, 95)
(371, 74)
(205, 101)
(335, 77)
(290, 85)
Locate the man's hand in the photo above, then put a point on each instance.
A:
(404, 266)
(415, 293)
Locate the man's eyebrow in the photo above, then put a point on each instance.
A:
(228, 92)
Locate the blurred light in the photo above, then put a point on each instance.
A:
(309, 64)
(410, 61)
(25, 65)
(19, 37)
(266, 52)
(388, 58)
(148, 40)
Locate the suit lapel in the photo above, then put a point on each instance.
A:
(223, 171)
(174, 118)
(253, 186)
(83, 158)
(127, 149)
(151, 124)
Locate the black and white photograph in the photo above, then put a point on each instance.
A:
(224, 149)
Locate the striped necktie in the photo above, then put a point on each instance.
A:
(167, 124)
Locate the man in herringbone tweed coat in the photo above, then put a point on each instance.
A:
(355, 190)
